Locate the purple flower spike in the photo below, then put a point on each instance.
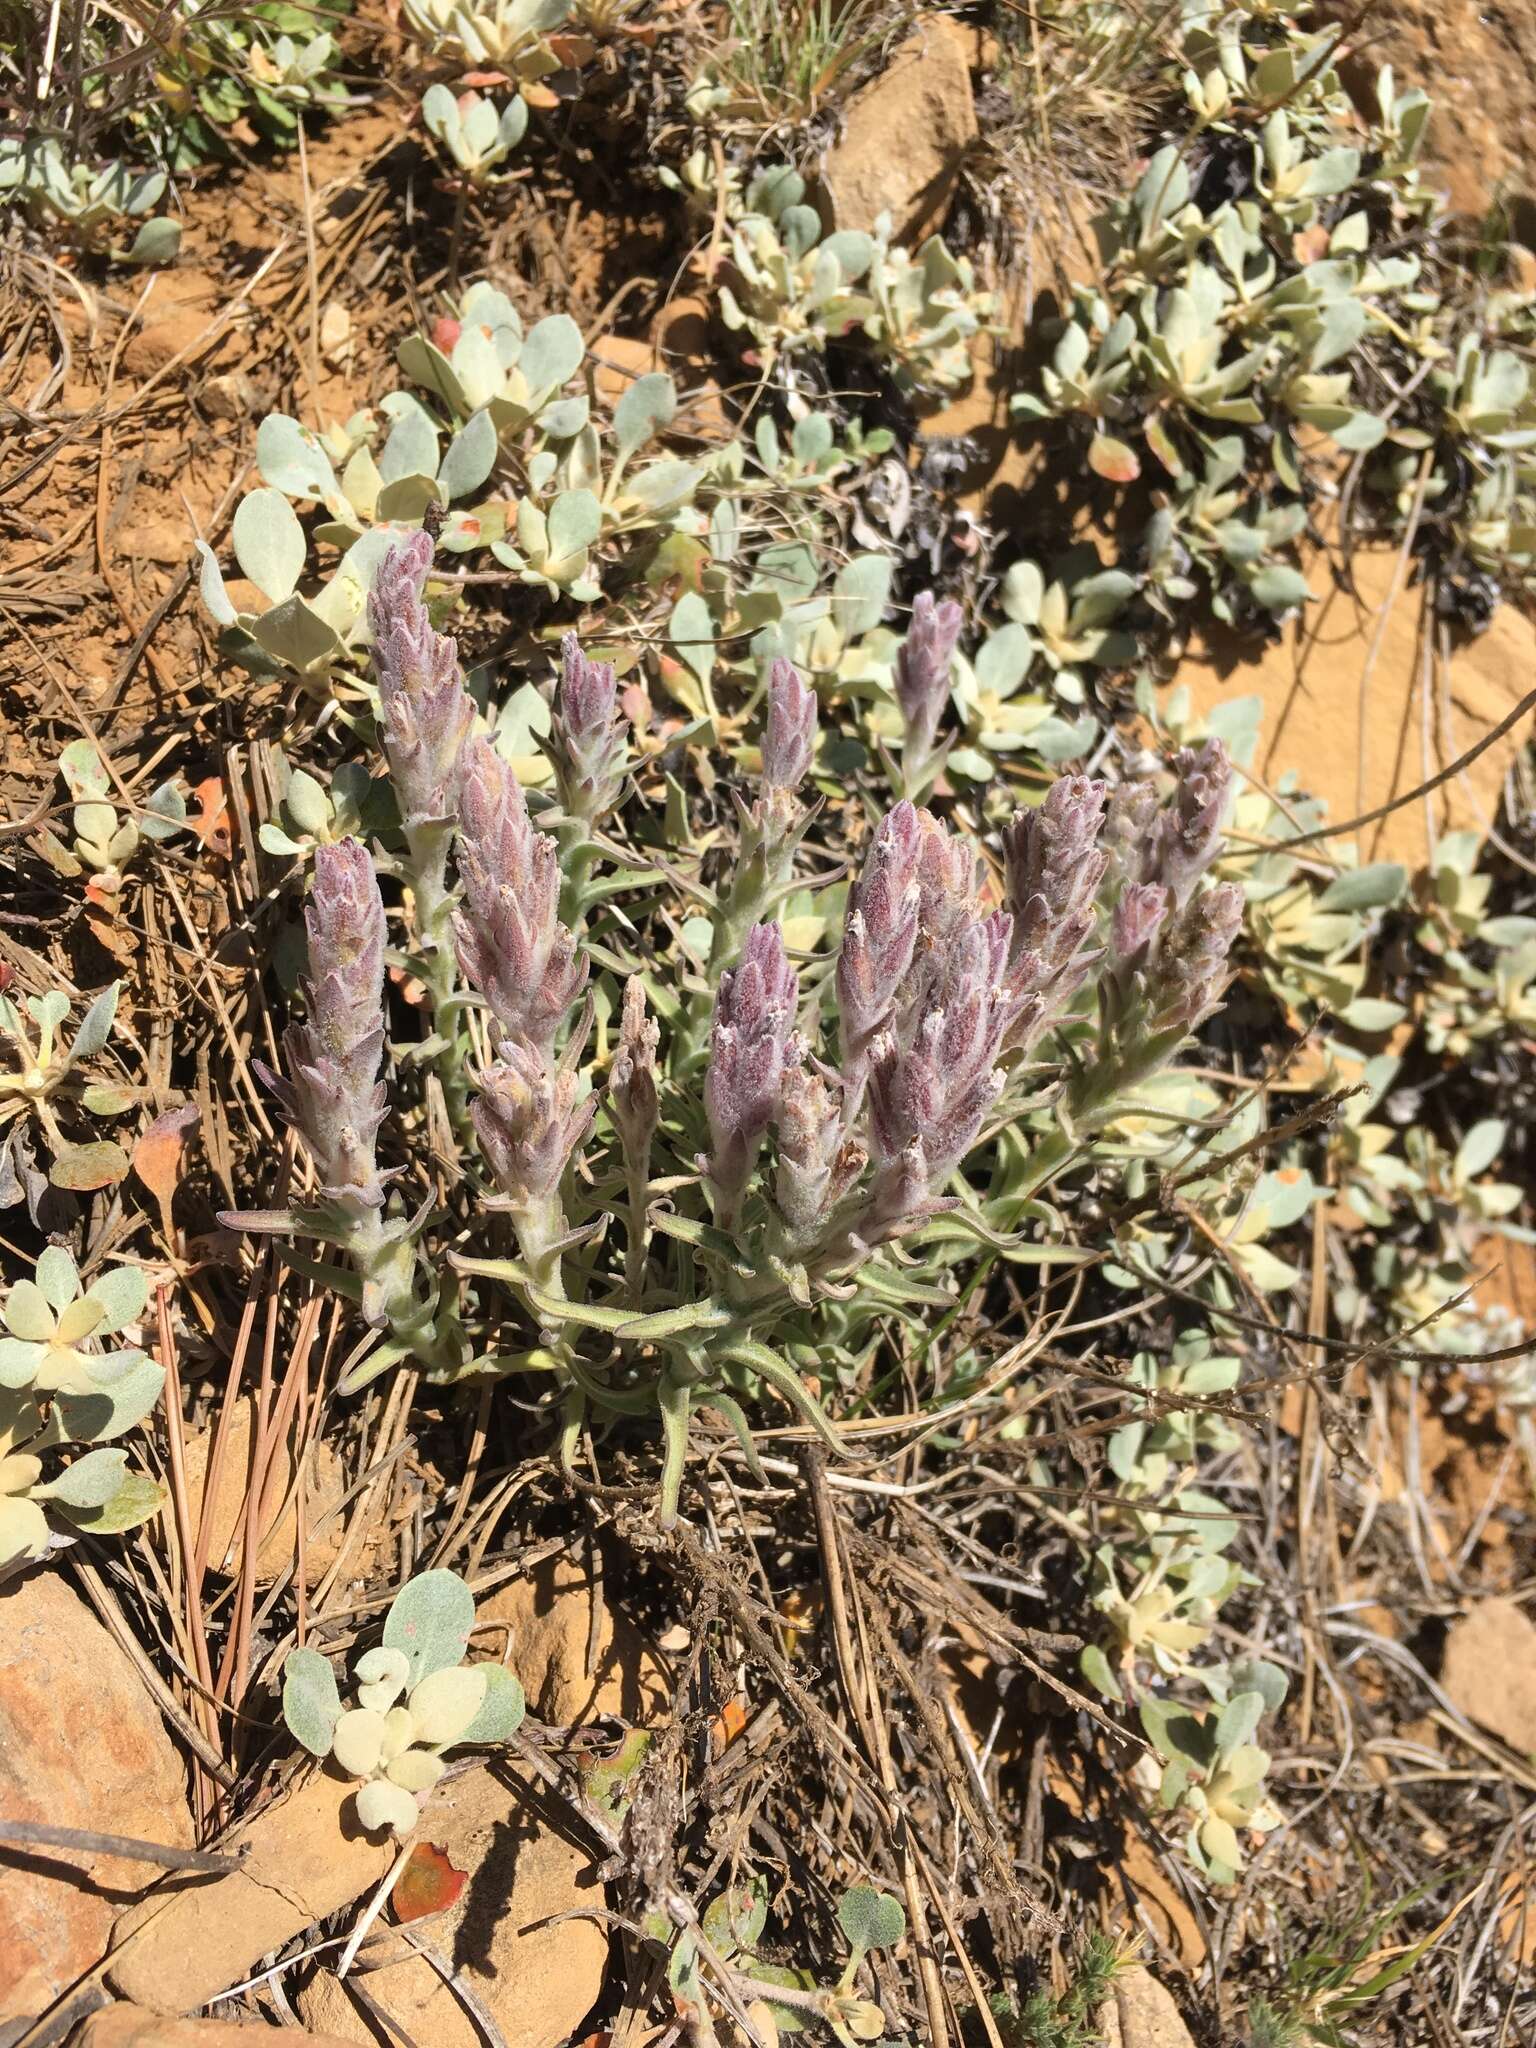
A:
(1191, 965)
(427, 713)
(531, 1126)
(588, 742)
(789, 745)
(331, 1093)
(1134, 925)
(879, 941)
(1189, 832)
(749, 1036)
(921, 678)
(633, 1100)
(511, 943)
(819, 1160)
(1054, 867)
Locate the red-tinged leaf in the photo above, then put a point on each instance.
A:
(157, 1157)
(445, 333)
(1112, 460)
(84, 1168)
(572, 50)
(428, 1884)
(1161, 443)
(635, 702)
(211, 822)
(1310, 245)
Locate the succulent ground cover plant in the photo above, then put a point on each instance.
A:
(415, 1698)
(59, 1389)
(765, 1259)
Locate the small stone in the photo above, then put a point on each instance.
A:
(132, 2026)
(1490, 1671)
(905, 133)
(229, 396)
(537, 1972)
(1140, 2013)
(549, 1614)
(82, 1745)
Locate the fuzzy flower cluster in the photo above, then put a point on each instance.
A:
(942, 993)
(943, 987)
(332, 1092)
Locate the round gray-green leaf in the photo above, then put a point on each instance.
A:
(311, 1703)
(500, 1713)
(870, 1919)
(430, 1622)
(292, 460)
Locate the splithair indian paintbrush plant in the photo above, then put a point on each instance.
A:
(730, 1191)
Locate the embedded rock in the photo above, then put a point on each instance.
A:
(905, 133)
(81, 1746)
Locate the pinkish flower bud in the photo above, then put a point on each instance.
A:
(531, 1125)
(819, 1160)
(879, 941)
(511, 943)
(633, 1100)
(331, 1093)
(921, 676)
(588, 742)
(1130, 830)
(1054, 867)
(789, 745)
(754, 1017)
(1190, 969)
(1137, 919)
(427, 714)
(918, 1097)
(1189, 832)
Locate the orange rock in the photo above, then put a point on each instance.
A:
(619, 361)
(178, 319)
(1490, 1671)
(905, 132)
(305, 1857)
(1140, 2013)
(325, 1487)
(550, 1617)
(131, 2026)
(81, 1746)
(536, 1971)
(1328, 675)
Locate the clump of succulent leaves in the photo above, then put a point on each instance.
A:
(414, 1699)
(496, 448)
(226, 76)
(52, 1083)
(764, 1116)
(1211, 1771)
(106, 832)
(794, 289)
(1160, 1572)
(59, 1389)
(506, 36)
(103, 210)
(723, 1956)
(1261, 301)
(475, 135)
